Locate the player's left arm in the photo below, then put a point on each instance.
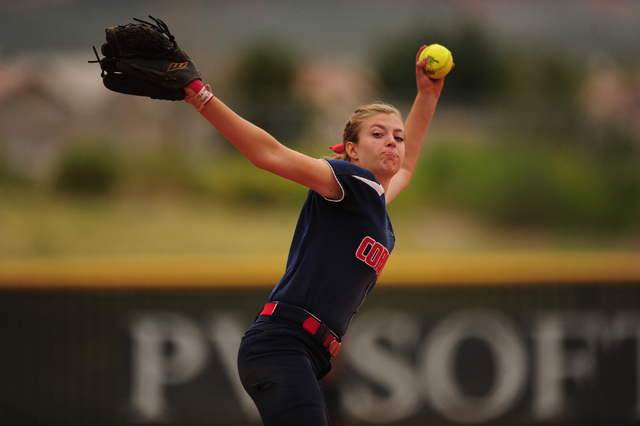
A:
(416, 126)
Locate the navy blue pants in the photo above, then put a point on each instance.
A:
(280, 367)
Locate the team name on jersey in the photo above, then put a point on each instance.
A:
(373, 254)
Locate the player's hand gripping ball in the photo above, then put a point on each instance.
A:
(439, 61)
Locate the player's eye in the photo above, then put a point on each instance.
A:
(399, 139)
(377, 134)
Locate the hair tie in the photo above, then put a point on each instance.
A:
(338, 149)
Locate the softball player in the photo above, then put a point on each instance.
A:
(341, 244)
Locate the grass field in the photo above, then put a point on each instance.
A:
(33, 223)
(39, 223)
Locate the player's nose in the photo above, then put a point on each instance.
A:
(391, 140)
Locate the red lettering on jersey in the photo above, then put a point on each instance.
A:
(375, 251)
(382, 261)
(360, 253)
(373, 254)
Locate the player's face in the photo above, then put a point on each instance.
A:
(381, 146)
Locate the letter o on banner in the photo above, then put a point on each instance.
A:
(438, 369)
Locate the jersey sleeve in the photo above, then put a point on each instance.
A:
(359, 187)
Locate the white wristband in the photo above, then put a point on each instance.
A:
(203, 96)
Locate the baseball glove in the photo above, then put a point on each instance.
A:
(143, 59)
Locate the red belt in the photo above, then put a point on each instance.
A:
(310, 324)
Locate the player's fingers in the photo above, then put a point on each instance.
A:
(419, 52)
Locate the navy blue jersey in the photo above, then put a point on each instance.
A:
(339, 249)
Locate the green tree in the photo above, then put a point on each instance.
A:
(476, 57)
(89, 169)
(264, 78)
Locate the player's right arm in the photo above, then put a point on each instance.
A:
(266, 153)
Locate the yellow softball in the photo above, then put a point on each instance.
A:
(439, 61)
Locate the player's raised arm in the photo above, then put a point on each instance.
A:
(416, 125)
(143, 59)
(262, 149)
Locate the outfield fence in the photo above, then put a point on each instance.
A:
(443, 339)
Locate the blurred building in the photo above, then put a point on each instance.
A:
(49, 101)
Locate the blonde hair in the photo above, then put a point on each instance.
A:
(354, 125)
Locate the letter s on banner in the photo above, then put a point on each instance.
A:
(368, 357)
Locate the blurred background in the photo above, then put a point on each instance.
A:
(120, 216)
(534, 144)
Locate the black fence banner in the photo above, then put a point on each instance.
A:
(536, 353)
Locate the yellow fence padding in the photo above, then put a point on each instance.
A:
(258, 270)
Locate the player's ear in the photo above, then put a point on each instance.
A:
(351, 149)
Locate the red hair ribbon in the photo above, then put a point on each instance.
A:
(338, 149)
